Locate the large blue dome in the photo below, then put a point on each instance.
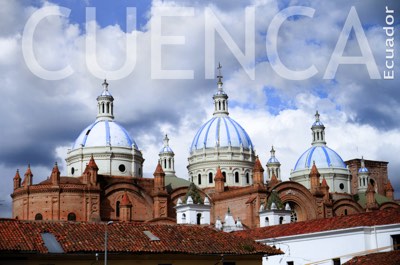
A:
(323, 156)
(104, 133)
(221, 131)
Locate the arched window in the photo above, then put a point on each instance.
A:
(219, 105)
(165, 163)
(102, 108)
(266, 221)
(108, 107)
(198, 218)
(247, 178)
(117, 208)
(317, 135)
(112, 109)
(38, 216)
(183, 216)
(345, 211)
(169, 163)
(199, 179)
(280, 220)
(223, 105)
(140, 172)
(236, 177)
(71, 217)
(210, 177)
(224, 174)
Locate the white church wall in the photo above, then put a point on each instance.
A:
(323, 247)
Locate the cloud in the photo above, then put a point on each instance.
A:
(41, 119)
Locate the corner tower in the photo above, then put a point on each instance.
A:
(221, 142)
(115, 152)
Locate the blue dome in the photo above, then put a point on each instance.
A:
(273, 160)
(166, 149)
(323, 156)
(104, 133)
(222, 131)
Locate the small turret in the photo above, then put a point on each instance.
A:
(105, 104)
(314, 180)
(273, 166)
(167, 159)
(370, 198)
(389, 190)
(55, 175)
(159, 179)
(17, 180)
(219, 181)
(28, 176)
(125, 208)
(363, 177)
(318, 131)
(258, 173)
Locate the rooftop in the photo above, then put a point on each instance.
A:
(383, 258)
(84, 237)
(382, 217)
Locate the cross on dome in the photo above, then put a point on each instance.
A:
(220, 98)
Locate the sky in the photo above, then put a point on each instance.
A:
(51, 74)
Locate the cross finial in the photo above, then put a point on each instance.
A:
(105, 84)
(219, 73)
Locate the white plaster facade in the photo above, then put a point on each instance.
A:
(190, 213)
(323, 247)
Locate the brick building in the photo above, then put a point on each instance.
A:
(105, 180)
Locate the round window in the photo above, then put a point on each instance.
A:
(341, 186)
(121, 168)
(72, 170)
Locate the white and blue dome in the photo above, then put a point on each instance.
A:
(323, 156)
(221, 131)
(273, 160)
(104, 133)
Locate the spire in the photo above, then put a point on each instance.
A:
(220, 97)
(105, 104)
(55, 175)
(92, 164)
(17, 176)
(28, 177)
(273, 166)
(257, 166)
(125, 200)
(17, 180)
(318, 131)
(167, 159)
(219, 181)
(363, 176)
(219, 76)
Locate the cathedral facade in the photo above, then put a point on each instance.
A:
(105, 178)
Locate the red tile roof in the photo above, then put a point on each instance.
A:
(382, 217)
(83, 237)
(384, 258)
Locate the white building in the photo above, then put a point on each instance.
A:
(331, 240)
